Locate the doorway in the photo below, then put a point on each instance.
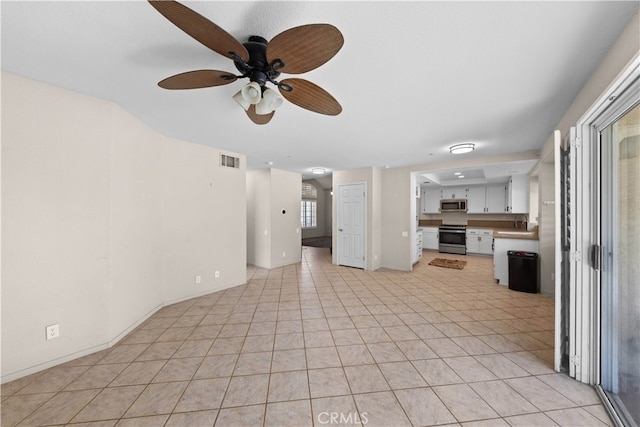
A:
(351, 225)
(619, 269)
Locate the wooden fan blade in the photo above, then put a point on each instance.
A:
(305, 48)
(310, 96)
(197, 79)
(259, 119)
(201, 29)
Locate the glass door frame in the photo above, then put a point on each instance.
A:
(608, 253)
(586, 345)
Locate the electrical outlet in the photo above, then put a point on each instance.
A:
(52, 331)
(217, 274)
(198, 279)
(284, 254)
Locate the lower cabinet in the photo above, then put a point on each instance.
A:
(418, 253)
(480, 241)
(430, 238)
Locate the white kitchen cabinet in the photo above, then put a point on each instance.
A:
(418, 253)
(476, 200)
(496, 199)
(473, 241)
(430, 237)
(431, 200)
(487, 199)
(454, 193)
(480, 241)
(486, 242)
(500, 259)
(518, 194)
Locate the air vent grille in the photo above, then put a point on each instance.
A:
(229, 161)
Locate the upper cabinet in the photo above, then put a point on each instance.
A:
(476, 200)
(496, 198)
(431, 200)
(518, 194)
(454, 193)
(512, 197)
(489, 199)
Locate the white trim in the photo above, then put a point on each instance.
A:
(630, 73)
(585, 220)
(110, 343)
(557, 143)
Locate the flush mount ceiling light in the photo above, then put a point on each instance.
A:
(318, 171)
(462, 148)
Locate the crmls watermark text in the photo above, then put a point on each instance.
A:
(354, 418)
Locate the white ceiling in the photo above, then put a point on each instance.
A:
(413, 78)
(494, 173)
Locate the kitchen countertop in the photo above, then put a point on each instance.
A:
(506, 233)
(501, 229)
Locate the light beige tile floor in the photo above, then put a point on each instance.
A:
(317, 344)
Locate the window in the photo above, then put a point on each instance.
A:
(308, 214)
(308, 206)
(309, 191)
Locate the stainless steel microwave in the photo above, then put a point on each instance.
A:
(453, 205)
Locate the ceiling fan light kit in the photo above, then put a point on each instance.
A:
(241, 100)
(462, 148)
(270, 102)
(252, 93)
(294, 51)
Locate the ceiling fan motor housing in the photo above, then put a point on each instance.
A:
(257, 68)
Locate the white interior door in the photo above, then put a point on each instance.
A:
(351, 225)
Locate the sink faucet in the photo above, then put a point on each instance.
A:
(515, 220)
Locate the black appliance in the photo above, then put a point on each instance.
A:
(452, 239)
(523, 271)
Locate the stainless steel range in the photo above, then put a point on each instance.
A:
(452, 239)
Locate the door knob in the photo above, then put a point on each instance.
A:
(339, 229)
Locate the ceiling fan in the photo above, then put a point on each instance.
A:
(294, 51)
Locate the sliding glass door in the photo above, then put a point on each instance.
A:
(618, 259)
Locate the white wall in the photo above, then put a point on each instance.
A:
(547, 225)
(398, 217)
(203, 220)
(626, 47)
(286, 235)
(375, 224)
(104, 222)
(259, 217)
(135, 199)
(328, 212)
(274, 238)
(56, 162)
